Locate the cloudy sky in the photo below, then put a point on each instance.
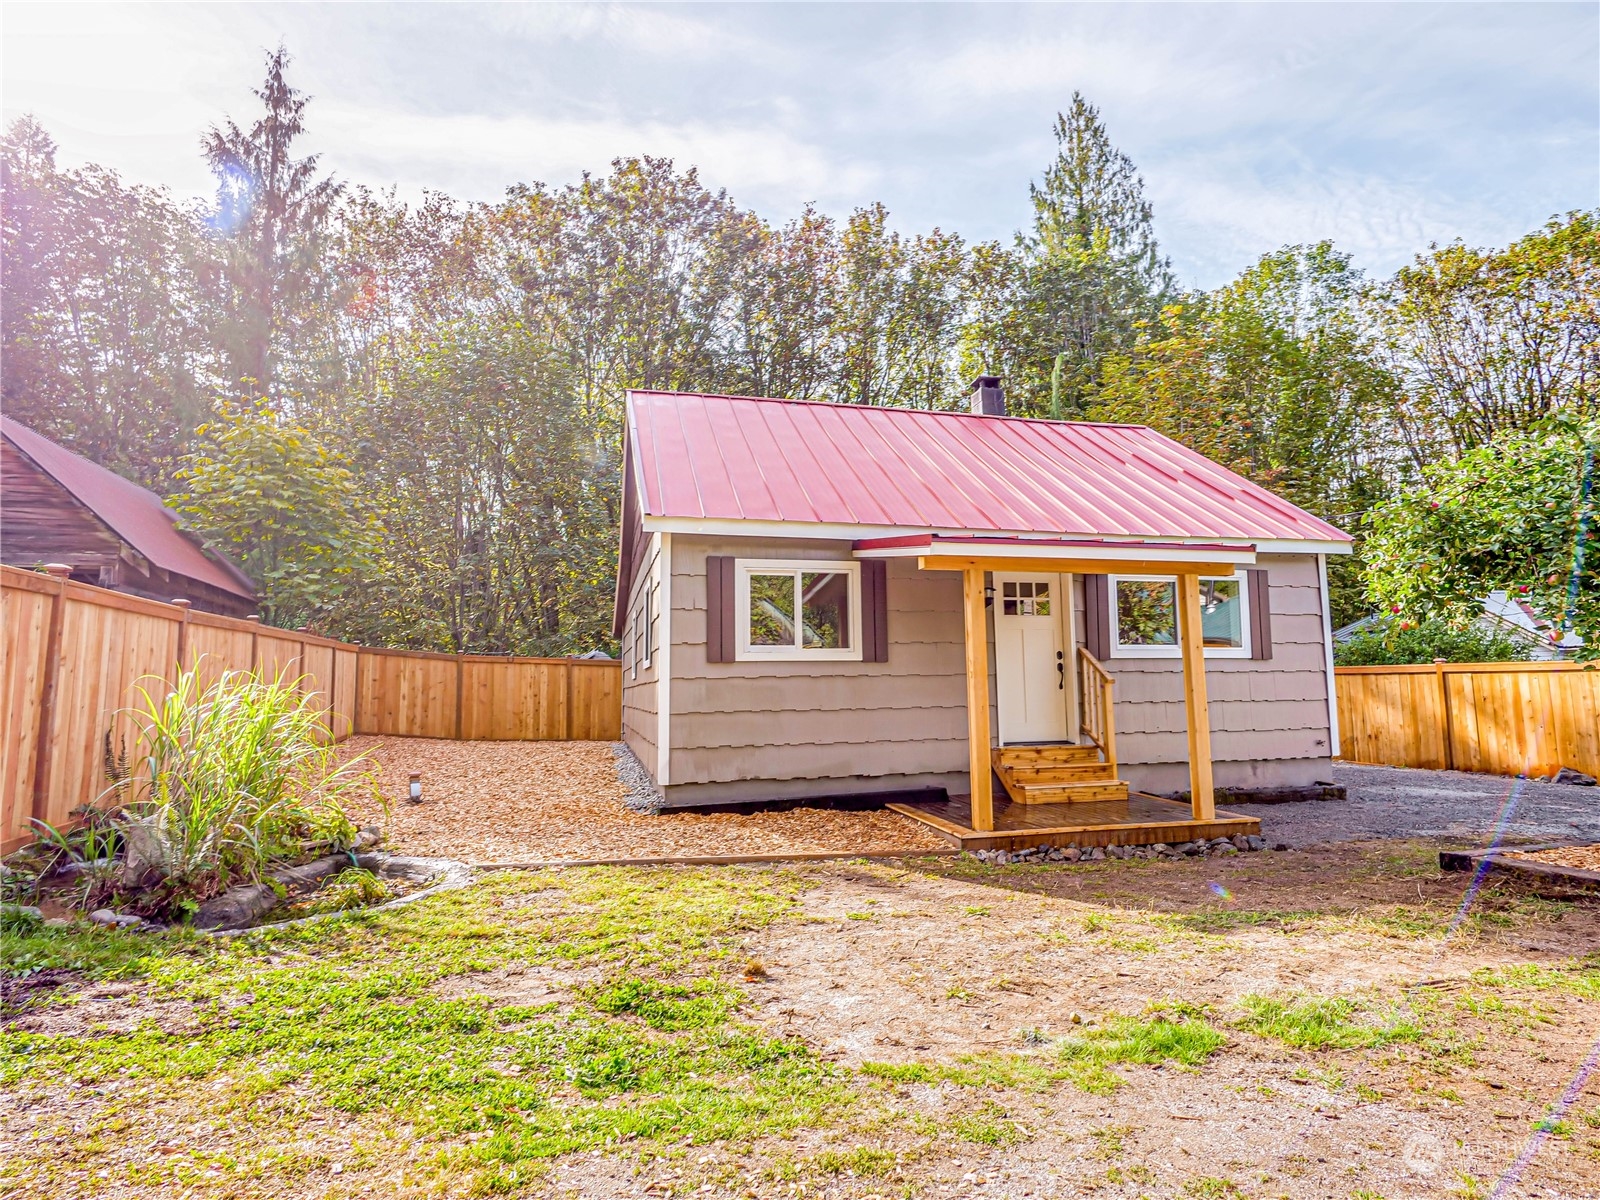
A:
(1382, 126)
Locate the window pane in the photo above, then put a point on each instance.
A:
(772, 610)
(1146, 613)
(825, 609)
(1221, 621)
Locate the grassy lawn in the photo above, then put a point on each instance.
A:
(925, 1029)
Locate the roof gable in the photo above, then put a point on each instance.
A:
(739, 458)
(137, 515)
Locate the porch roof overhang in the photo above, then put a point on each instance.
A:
(945, 552)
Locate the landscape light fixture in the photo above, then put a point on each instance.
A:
(415, 794)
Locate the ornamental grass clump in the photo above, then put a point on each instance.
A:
(234, 776)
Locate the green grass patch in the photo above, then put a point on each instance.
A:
(666, 1006)
(1580, 978)
(92, 951)
(865, 1162)
(1188, 1041)
(1326, 1023)
(988, 1126)
(1213, 1187)
(352, 1017)
(1082, 1059)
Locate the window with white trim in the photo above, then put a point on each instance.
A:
(1144, 616)
(647, 624)
(797, 610)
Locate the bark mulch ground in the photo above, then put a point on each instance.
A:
(560, 801)
(1584, 858)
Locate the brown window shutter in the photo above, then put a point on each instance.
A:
(1260, 615)
(874, 610)
(1097, 616)
(719, 609)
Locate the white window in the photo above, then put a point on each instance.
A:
(1144, 617)
(647, 624)
(797, 610)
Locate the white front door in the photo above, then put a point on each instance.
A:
(1033, 672)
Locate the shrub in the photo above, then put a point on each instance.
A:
(1421, 644)
(235, 775)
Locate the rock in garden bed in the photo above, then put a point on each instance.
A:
(1072, 852)
(329, 887)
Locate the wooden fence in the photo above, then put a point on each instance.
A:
(75, 658)
(1498, 718)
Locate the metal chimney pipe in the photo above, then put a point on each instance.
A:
(988, 398)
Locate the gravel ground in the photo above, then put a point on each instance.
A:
(544, 801)
(1397, 802)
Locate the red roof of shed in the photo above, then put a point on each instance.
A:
(135, 514)
(743, 458)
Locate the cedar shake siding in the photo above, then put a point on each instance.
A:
(639, 683)
(1269, 718)
(772, 730)
(784, 729)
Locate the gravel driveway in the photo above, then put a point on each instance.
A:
(1397, 802)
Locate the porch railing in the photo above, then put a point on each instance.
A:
(1096, 719)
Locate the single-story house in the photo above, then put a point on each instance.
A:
(58, 507)
(998, 625)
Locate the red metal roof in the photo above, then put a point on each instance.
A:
(743, 458)
(137, 515)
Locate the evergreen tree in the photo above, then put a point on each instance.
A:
(272, 211)
(1094, 269)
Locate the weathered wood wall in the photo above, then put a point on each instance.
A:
(1497, 718)
(74, 658)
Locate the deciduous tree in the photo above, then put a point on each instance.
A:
(1519, 513)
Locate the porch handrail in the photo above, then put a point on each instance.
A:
(1096, 717)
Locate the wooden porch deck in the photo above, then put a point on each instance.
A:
(1139, 820)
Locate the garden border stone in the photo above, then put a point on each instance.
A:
(1503, 858)
(447, 875)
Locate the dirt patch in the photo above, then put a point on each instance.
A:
(944, 961)
(104, 1009)
(17, 992)
(1584, 858)
(545, 801)
(520, 986)
(896, 965)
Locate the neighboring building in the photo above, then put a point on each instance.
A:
(1503, 617)
(819, 600)
(58, 507)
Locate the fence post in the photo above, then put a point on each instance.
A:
(355, 698)
(1444, 716)
(183, 632)
(43, 757)
(255, 642)
(569, 672)
(460, 699)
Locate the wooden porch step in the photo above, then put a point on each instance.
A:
(1058, 774)
(1067, 793)
(1084, 772)
(1036, 756)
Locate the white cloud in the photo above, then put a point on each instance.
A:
(1382, 126)
(500, 151)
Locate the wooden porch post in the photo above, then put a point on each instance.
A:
(1201, 792)
(978, 766)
